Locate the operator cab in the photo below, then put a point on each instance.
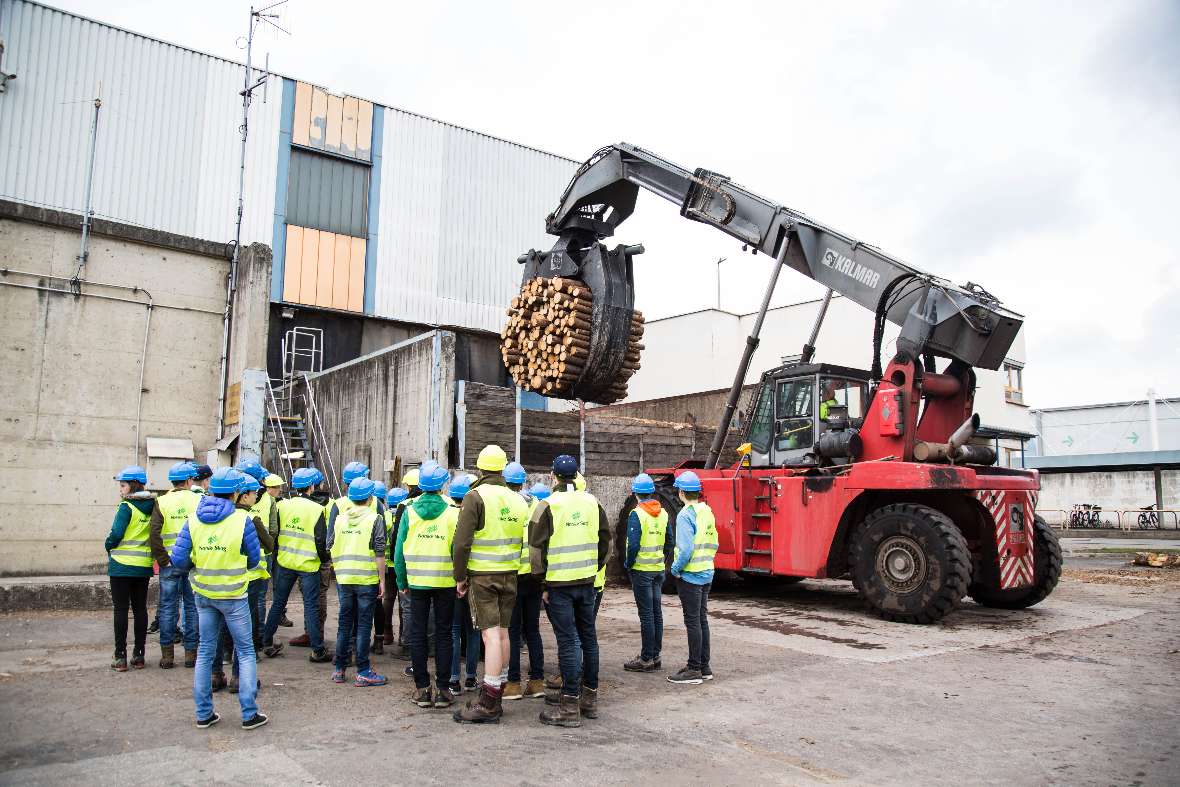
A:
(796, 404)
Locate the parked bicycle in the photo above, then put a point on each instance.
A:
(1085, 515)
(1149, 519)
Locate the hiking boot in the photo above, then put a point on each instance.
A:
(368, 678)
(443, 698)
(687, 676)
(338, 676)
(302, 641)
(553, 681)
(218, 681)
(512, 690)
(137, 660)
(422, 698)
(469, 685)
(254, 722)
(640, 664)
(272, 650)
(167, 656)
(285, 622)
(377, 647)
(552, 693)
(534, 688)
(321, 656)
(565, 714)
(190, 658)
(154, 626)
(588, 704)
(479, 710)
(120, 663)
(209, 722)
(233, 684)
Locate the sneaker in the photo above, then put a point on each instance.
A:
(154, 628)
(469, 684)
(369, 678)
(534, 688)
(687, 676)
(273, 649)
(422, 698)
(639, 664)
(254, 722)
(302, 641)
(321, 656)
(119, 664)
(443, 698)
(209, 722)
(338, 676)
(137, 660)
(286, 622)
(706, 674)
(513, 690)
(409, 671)
(455, 687)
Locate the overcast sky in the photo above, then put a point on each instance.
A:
(1033, 148)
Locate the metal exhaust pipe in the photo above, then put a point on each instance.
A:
(963, 434)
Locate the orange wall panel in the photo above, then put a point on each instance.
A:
(343, 248)
(335, 121)
(356, 276)
(319, 118)
(348, 126)
(301, 128)
(323, 287)
(310, 264)
(292, 268)
(364, 131)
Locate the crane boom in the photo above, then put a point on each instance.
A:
(966, 323)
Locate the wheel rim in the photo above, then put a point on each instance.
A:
(901, 564)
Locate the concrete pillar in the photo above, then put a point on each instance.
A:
(252, 414)
(251, 315)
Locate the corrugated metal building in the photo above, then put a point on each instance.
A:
(370, 210)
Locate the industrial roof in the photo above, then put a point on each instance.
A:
(1124, 460)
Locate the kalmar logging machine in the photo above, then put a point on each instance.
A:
(870, 475)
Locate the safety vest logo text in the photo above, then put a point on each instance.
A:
(211, 545)
(850, 268)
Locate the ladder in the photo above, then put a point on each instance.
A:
(758, 539)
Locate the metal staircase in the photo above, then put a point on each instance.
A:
(757, 540)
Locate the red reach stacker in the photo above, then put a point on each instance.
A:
(871, 475)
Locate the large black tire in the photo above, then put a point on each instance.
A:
(670, 503)
(910, 563)
(1046, 573)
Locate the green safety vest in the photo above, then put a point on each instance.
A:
(525, 563)
(704, 541)
(175, 507)
(353, 558)
(497, 545)
(428, 548)
(573, 547)
(295, 546)
(262, 509)
(652, 532)
(219, 567)
(134, 549)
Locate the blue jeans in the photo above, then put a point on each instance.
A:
(526, 621)
(235, 612)
(648, 600)
(355, 623)
(309, 586)
(255, 596)
(175, 590)
(571, 611)
(461, 626)
(694, 600)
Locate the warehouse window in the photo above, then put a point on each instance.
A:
(1014, 382)
(328, 193)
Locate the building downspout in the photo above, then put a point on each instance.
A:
(225, 327)
(147, 328)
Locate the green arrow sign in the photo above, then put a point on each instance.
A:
(1068, 440)
(1134, 438)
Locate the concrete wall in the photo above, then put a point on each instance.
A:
(70, 387)
(703, 409)
(1123, 489)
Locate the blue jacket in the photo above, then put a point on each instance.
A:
(145, 502)
(214, 509)
(686, 530)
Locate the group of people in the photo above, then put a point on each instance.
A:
(479, 557)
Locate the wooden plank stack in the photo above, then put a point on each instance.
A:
(546, 340)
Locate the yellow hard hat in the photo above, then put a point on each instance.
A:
(273, 480)
(579, 483)
(492, 458)
(410, 478)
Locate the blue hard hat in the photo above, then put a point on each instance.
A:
(249, 483)
(379, 490)
(252, 469)
(360, 488)
(643, 485)
(396, 495)
(204, 471)
(304, 477)
(540, 491)
(688, 481)
(132, 473)
(432, 476)
(565, 466)
(182, 471)
(319, 476)
(459, 487)
(226, 480)
(514, 473)
(354, 470)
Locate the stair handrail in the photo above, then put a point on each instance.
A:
(315, 425)
(276, 427)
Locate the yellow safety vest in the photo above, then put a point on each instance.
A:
(388, 535)
(175, 507)
(704, 541)
(262, 509)
(573, 547)
(353, 558)
(652, 532)
(497, 546)
(600, 579)
(428, 548)
(134, 549)
(219, 567)
(342, 504)
(295, 546)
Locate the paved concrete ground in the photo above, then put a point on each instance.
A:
(1081, 690)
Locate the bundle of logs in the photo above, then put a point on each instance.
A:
(546, 340)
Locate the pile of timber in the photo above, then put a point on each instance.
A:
(546, 341)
